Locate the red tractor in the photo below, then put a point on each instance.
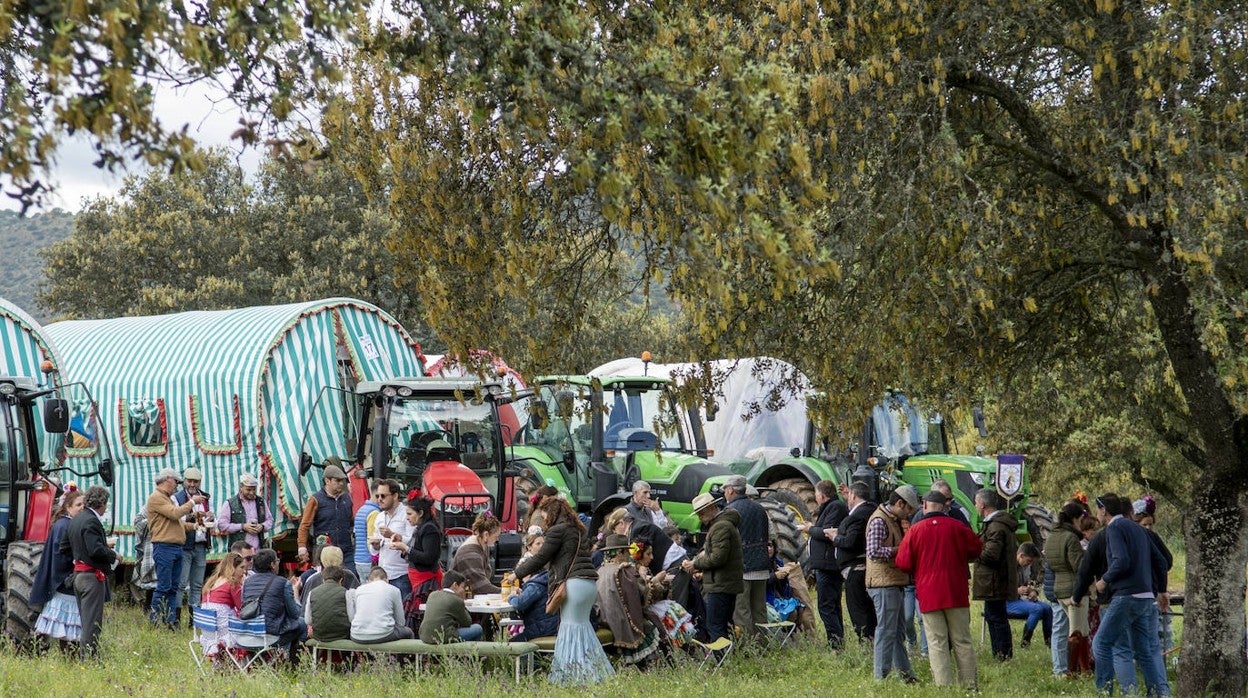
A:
(443, 436)
(38, 423)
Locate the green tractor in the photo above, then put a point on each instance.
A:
(592, 437)
(927, 457)
(904, 448)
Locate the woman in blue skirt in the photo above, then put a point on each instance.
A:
(53, 583)
(579, 658)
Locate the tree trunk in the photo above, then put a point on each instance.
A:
(1211, 661)
(1212, 658)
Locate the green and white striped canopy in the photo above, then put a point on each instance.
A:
(228, 392)
(24, 344)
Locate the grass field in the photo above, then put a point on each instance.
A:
(139, 661)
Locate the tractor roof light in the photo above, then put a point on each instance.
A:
(7, 388)
(46, 366)
(389, 391)
(405, 391)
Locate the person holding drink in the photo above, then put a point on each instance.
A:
(391, 531)
(195, 551)
(579, 658)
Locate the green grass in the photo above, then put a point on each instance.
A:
(139, 661)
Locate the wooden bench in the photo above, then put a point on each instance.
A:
(518, 651)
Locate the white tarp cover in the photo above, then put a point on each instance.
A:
(735, 435)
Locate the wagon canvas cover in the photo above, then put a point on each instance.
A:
(228, 392)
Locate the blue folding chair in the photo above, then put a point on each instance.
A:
(254, 642)
(205, 633)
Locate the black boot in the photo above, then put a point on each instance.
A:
(1048, 635)
(1027, 633)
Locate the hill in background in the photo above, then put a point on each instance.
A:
(21, 239)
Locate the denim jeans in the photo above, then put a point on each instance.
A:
(471, 633)
(404, 585)
(1036, 613)
(168, 559)
(719, 607)
(911, 612)
(1124, 665)
(1137, 620)
(194, 564)
(890, 634)
(999, 629)
(1060, 647)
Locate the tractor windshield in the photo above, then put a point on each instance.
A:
(640, 419)
(560, 417)
(900, 429)
(467, 427)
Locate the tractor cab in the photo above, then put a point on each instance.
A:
(594, 430)
(442, 436)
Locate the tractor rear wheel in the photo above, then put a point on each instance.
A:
(785, 511)
(1039, 523)
(801, 487)
(19, 580)
(526, 484)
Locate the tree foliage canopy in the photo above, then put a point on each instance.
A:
(69, 67)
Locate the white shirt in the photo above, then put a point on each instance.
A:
(375, 609)
(390, 559)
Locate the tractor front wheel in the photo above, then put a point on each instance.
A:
(800, 486)
(1039, 523)
(785, 511)
(526, 484)
(19, 580)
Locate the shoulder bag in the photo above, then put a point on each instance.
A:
(559, 593)
(251, 609)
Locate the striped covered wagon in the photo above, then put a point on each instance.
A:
(228, 392)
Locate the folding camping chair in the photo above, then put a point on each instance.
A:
(251, 642)
(716, 652)
(205, 631)
(780, 632)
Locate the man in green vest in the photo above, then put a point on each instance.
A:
(886, 584)
(244, 516)
(326, 610)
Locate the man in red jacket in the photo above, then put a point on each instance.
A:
(937, 550)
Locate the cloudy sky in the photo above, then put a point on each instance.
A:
(75, 179)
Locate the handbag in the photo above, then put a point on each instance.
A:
(559, 593)
(251, 609)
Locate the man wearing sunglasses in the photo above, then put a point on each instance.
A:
(247, 552)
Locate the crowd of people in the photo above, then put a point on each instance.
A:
(1096, 590)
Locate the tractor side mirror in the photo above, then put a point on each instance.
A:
(106, 471)
(56, 415)
(305, 463)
